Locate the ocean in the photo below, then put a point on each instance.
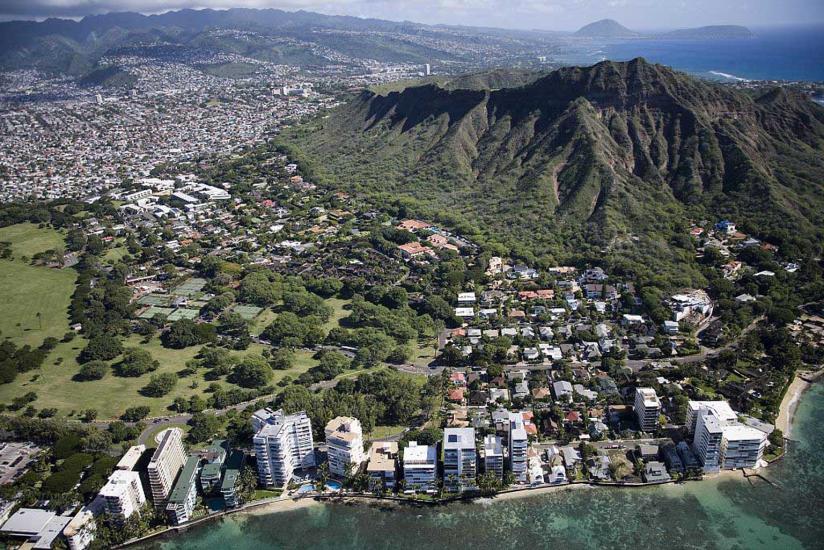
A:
(782, 53)
(714, 513)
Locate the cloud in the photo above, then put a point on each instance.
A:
(545, 14)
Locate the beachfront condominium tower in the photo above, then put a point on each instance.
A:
(518, 445)
(166, 463)
(420, 468)
(283, 443)
(493, 456)
(720, 441)
(344, 444)
(122, 495)
(460, 463)
(647, 409)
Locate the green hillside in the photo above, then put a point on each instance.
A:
(609, 159)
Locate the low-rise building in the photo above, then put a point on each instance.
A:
(382, 465)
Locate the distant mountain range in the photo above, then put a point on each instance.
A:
(279, 36)
(583, 157)
(611, 29)
(293, 38)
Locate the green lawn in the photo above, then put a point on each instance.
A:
(27, 290)
(114, 255)
(382, 432)
(27, 239)
(339, 311)
(113, 394)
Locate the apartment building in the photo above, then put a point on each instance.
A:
(494, 456)
(283, 443)
(460, 464)
(647, 409)
(382, 465)
(181, 501)
(344, 444)
(123, 495)
(165, 465)
(420, 468)
(518, 447)
(720, 441)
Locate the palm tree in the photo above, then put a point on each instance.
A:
(322, 477)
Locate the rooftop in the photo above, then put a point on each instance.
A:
(185, 481)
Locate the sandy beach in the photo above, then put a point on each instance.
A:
(790, 402)
(281, 505)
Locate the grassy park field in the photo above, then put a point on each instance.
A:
(27, 290)
(110, 396)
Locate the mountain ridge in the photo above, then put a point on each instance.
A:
(611, 29)
(583, 158)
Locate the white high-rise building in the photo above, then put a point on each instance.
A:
(123, 494)
(344, 444)
(166, 463)
(419, 467)
(518, 446)
(427, 69)
(494, 456)
(647, 409)
(720, 440)
(283, 444)
(460, 462)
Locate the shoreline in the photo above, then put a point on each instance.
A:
(789, 404)
(792, 398)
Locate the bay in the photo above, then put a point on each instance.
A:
(778, 53)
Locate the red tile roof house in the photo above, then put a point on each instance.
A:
(414, 249)
(413, 225)
(455, 395)
(573, 417)
(458, 378)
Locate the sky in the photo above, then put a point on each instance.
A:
(523, 14)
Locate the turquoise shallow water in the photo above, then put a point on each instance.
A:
(728, 514)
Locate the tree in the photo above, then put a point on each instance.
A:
(252, 372)
(305, 304)
(136, 362)
(489, 483)
(93, 370)
(290, 330)
(776, 438)
(135, 414)
(203, 426)
(160, 384)
(185, 333)
(282, 359)
(258, 288)
(103, 347)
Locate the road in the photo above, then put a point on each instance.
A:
(703, 354)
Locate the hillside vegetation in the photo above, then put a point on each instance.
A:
(610, 159)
